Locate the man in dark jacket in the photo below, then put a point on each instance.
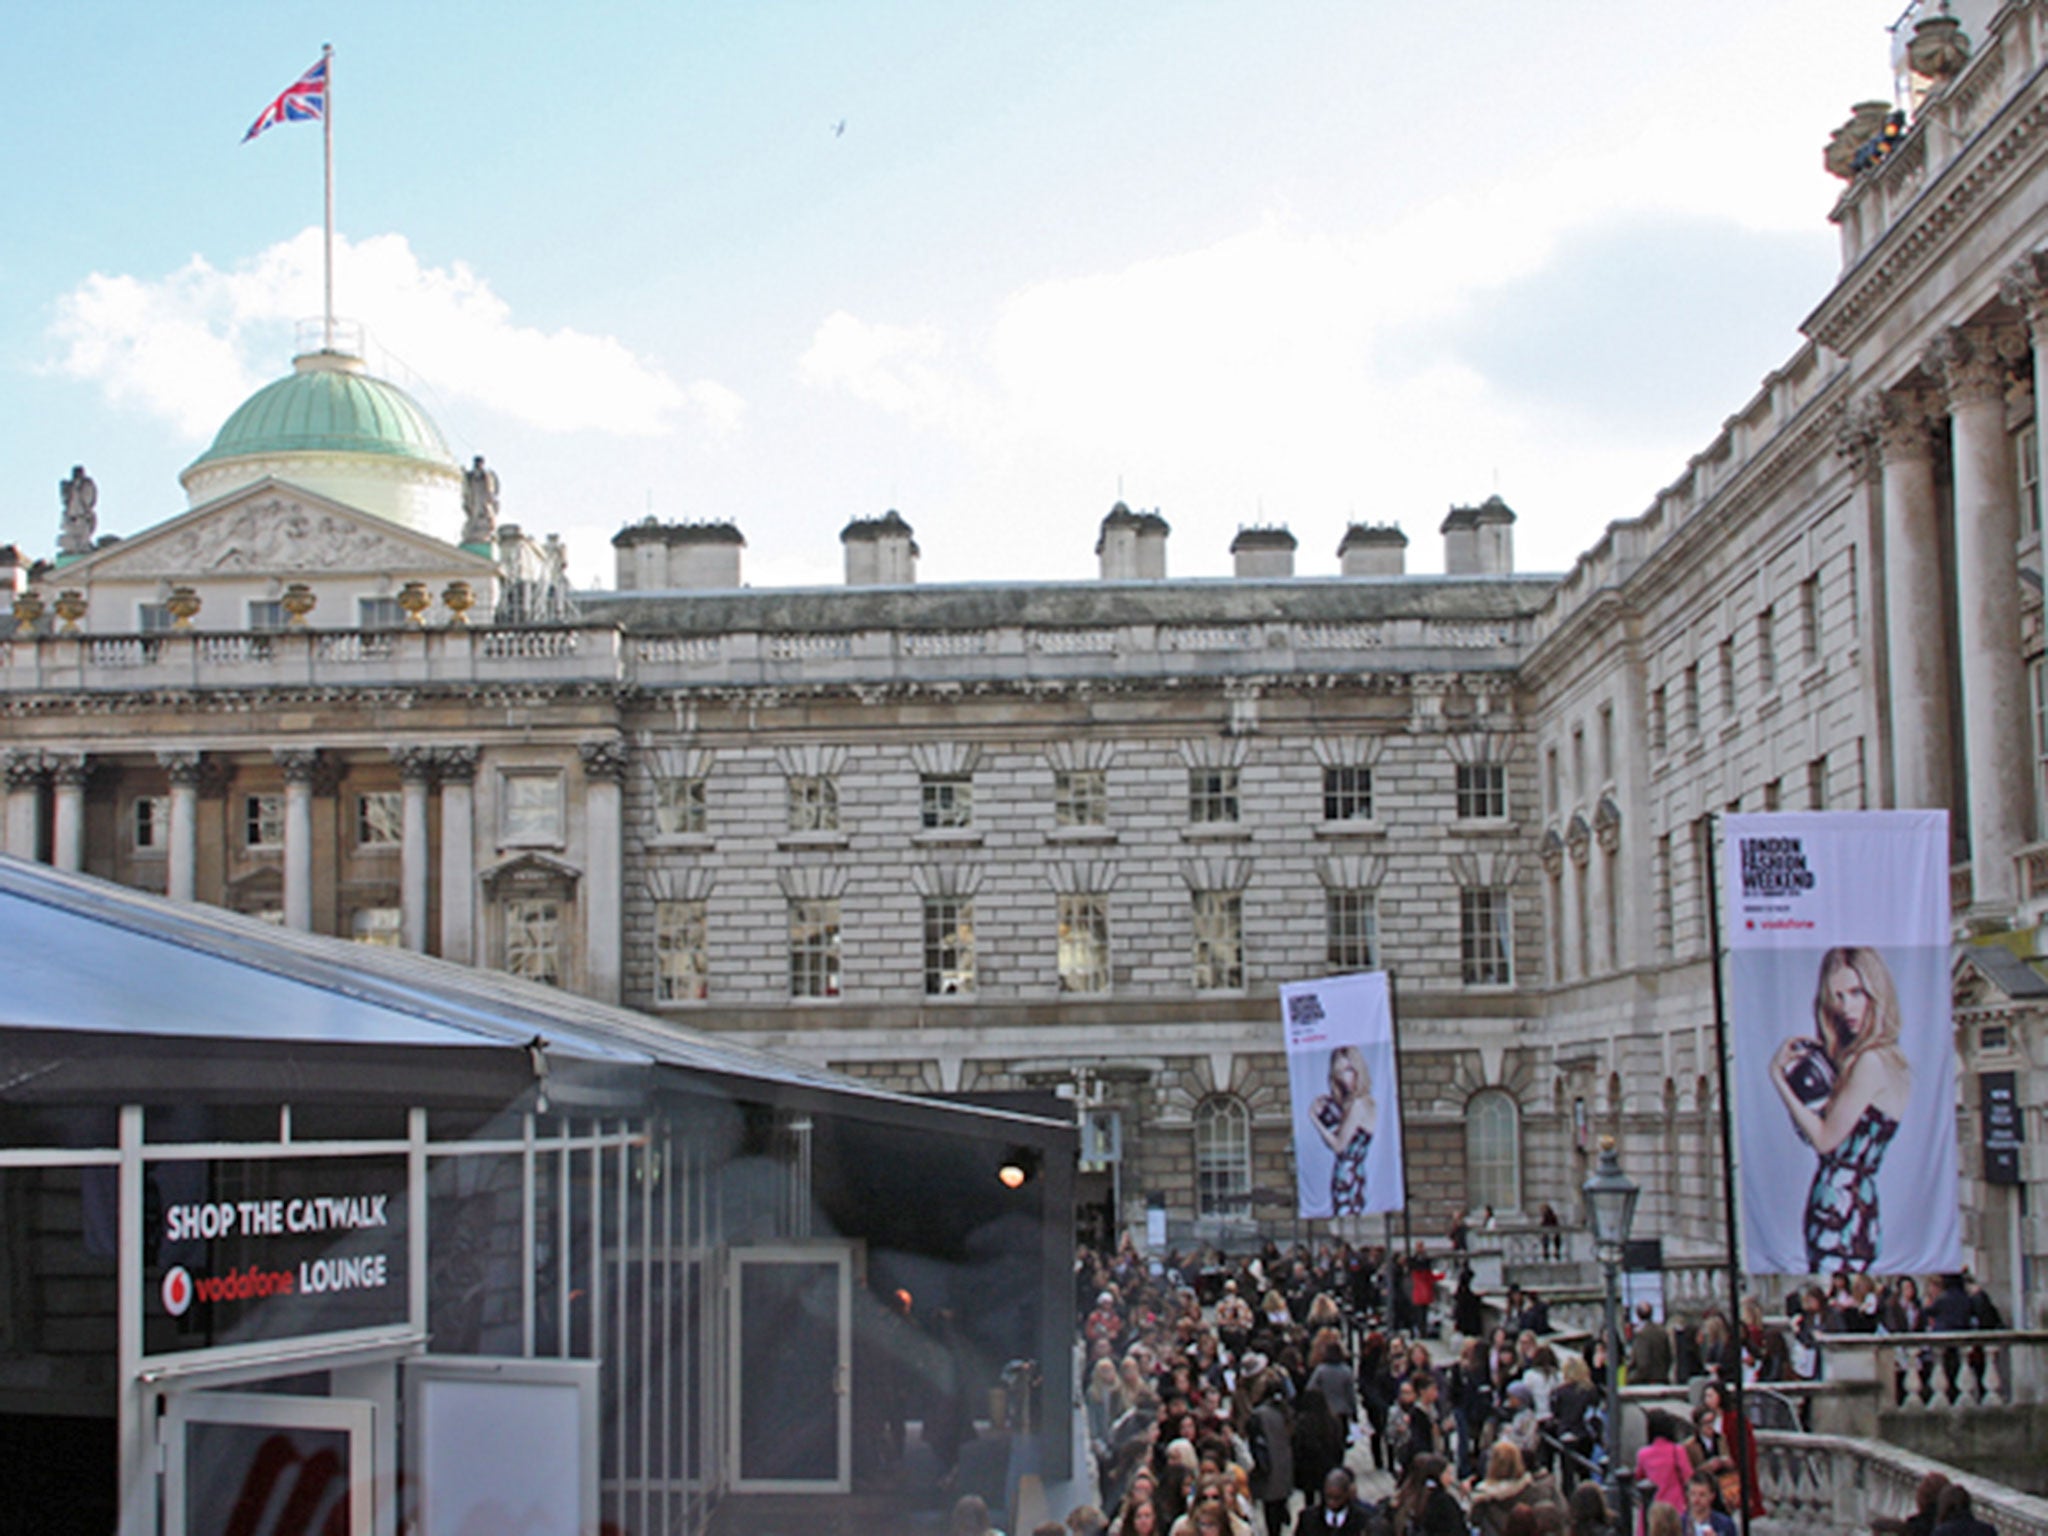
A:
(1649, 1352)
(1339, 1513)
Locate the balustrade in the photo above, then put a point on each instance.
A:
(1828, 1484)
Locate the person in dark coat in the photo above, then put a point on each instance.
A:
(1468, 1312)
(1318, 1442)
(1274, 1487)
(1926, 1504)
(1649, 1352)
(1338, 1512)
(1957, 1515)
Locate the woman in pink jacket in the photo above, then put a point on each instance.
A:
(1663, 1462)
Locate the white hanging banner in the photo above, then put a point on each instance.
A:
(1841, 1046)
(1342, 1080)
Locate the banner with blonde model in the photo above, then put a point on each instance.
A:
(1346, 1096)
(1841, 1053)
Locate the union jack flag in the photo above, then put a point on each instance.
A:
(303, 101)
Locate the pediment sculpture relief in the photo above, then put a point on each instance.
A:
(273, 536)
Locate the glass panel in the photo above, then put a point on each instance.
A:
(473, 1254)
(789, 1359)
(265, 1480)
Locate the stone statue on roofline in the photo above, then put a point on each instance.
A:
(80, 497)
(479, 503)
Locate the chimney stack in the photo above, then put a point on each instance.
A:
(669, 557)
(880, 551)
(1132, 545)
(1480, 541)
(1263, 553)
(1373, 549)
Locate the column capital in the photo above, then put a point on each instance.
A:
(23, 768)
(416, 765)
(603, 758)
(1856, 435)
(69, 770)
(2025, 288)
(457, 765)
(182, 766)
(1901, 422)
(301, 765)
(1974, 362)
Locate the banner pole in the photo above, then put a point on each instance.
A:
(1746, 1435)
(1394, 1030)
(327, 146)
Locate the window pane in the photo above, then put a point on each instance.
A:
(1493, 1151)
(1219, 940)
(813, 803)
(948, 946)
(947, 800)
(533, 939)
(263, 821)
(1483, 937)
(681, 955)
(1223, 1158)
(1212, 795)
(152, 822)
(814, 948)
(379, 818)
(679, 806)
(1353, 920)
(1080, 797)
(1347, 794)
(1084, 943)
(1482, 791)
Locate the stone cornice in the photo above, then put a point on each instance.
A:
(1912, 244)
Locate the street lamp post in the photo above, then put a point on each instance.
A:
(1611, 1197)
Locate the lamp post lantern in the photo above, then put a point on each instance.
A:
(1610, 1197)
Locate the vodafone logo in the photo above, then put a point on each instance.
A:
(177, 1290)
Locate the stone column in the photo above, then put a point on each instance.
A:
(2025, 288)
(301, 765)
(67, 842)
(1974, 362)
(1916, 634)
(184, 770)
(24, 768)
(604, 770)
(457, 769)
(415, 773)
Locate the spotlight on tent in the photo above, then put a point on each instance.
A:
(1019, 1166)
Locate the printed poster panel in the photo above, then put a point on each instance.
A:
(1346, 1095)
(1842, 1057)
(240, 1251)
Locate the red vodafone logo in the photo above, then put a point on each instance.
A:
(177, 1290)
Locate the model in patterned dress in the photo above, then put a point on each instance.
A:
(1846, 1088)
(1345, 1118)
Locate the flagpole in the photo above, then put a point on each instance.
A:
(327, 139)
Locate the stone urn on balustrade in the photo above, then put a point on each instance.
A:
(28, 611)
(298, 601)
(1940, 48)
(183, 607)
(414, 599)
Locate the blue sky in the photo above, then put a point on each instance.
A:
(1280, 262)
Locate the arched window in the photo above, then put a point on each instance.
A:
(1223, 1158)
(1493, 1151)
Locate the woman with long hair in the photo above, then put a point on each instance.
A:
(1424, 1504)
(1345, 1118)
(1847, 1088)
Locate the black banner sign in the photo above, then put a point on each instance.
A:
(242, 1251)
(2003, 1130)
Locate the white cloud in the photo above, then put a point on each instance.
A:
(188, 347)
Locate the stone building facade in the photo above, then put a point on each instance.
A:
(997, 836)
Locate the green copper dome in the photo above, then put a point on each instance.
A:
(328, 404)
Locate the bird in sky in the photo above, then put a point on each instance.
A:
(839, 129)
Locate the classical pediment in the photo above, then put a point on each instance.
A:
(273, 528)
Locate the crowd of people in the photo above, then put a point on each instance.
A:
(1250, 1394)
(1226, 1396)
